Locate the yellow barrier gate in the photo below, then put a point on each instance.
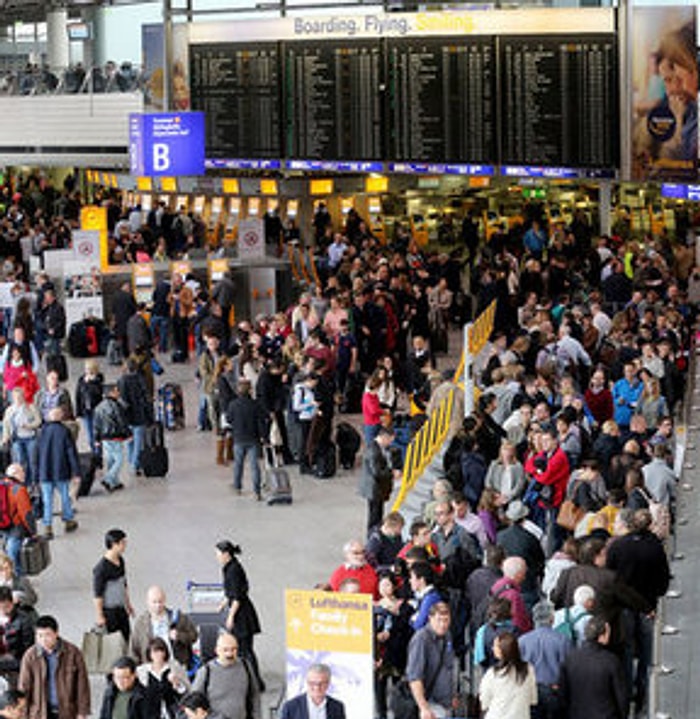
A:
(431, 436)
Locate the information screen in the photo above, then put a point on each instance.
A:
(442, 99)
(238, 87)
(559, 101)
(333, 100)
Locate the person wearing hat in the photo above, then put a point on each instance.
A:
(517, 541)
(20, 517)
(13, 704)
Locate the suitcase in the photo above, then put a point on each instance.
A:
(88, 467)
(349, 441)
(170, 407)
(154, 459)
(77, 340)
(203, 600)
(34, 556)
(278, 488)
(57, 363)
(326, 462)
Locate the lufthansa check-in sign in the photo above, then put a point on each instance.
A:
(166, 143)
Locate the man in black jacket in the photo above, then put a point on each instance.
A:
(377, 477)
(111, 431)
(54, 320)
(123, 688)
(139, 411)
(592, 682)
(640, 562)
(248, 429)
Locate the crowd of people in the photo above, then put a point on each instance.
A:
(535, 571)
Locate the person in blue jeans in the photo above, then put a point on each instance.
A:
(111, 431)
(139, 410)
(58, 464)
(19, 430)
(247, 421)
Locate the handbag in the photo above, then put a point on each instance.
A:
(569, 515)
(403, 705)
(275, 434)
(101, 650)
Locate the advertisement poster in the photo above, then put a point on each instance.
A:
(665, 94)
(152, 56)
(334, 629)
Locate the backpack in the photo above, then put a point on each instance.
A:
(5, 510)
(478, 617)
(458, 566)
(568, 626)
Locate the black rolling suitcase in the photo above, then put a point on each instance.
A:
(326, 463)
(352, 397)
(349, 441)
(154, 459)
(88, 468)
(278, 488)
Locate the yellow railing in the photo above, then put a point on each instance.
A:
(424, 445)
(431, 436)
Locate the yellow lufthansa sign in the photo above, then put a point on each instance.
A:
(329, 622)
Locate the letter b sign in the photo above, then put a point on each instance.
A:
(161, 157)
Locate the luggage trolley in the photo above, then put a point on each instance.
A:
(203, 602)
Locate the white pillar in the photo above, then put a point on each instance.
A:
(468, 373)
(57, 44)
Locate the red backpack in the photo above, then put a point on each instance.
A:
(5, 509)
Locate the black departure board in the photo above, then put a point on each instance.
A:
(238, 87)
(333, 100)
(442, 99)
(559, 101)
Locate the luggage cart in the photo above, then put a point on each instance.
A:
(203, 602)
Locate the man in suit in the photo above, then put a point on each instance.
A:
(377, 477)
(312, 702)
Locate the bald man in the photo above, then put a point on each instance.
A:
(174, 627)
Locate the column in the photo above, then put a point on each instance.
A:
(605, 207)
(57, 44)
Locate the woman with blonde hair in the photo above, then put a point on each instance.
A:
(506, 475)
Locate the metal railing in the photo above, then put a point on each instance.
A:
(73, 80)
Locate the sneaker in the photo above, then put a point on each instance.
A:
(48, 533)
(108, 487)
(117, 487)
(70, 525)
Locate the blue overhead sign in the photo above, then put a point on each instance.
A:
(167, 143)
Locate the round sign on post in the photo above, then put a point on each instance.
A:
(251, 238)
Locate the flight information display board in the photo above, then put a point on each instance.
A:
(238, 87)
(559, 101)
(442, 99)
(333, 101)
